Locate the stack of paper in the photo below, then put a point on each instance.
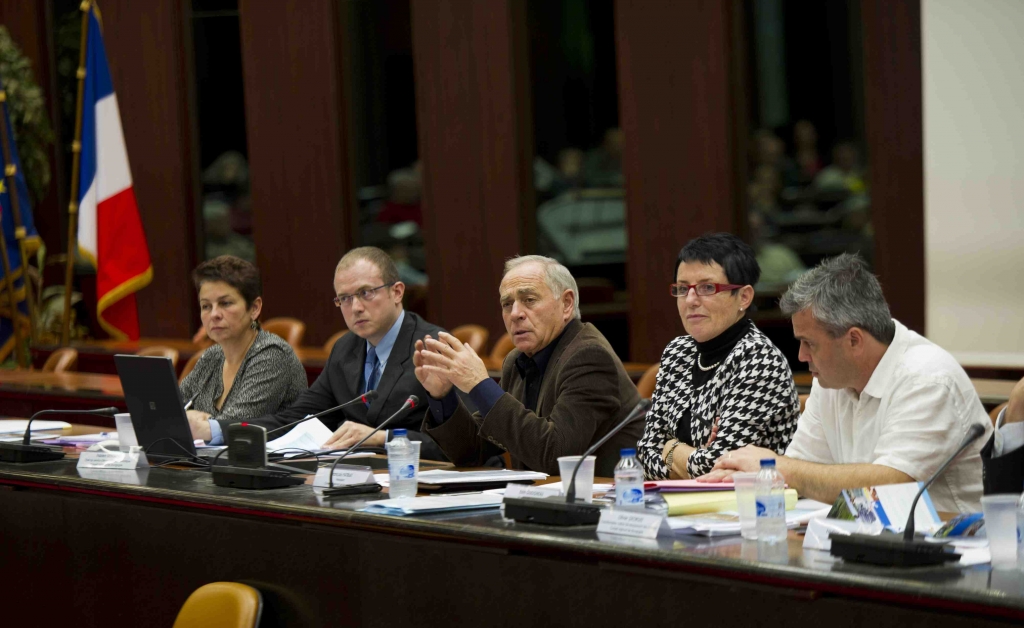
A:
(695, 503)
(440, 503)
(727, 523)
(17, 426)
(687, 486)
(309, 435)
(440, 476)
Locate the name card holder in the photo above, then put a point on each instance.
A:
(635, 523)
(125, 458)
(540, 492)
(344, 475)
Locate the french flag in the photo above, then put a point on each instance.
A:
(110, 233)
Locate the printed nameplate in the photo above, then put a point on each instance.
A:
(343, 476)
(106, 459)
(631, 523)
(540, 492)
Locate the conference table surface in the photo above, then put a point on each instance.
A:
(948, 594)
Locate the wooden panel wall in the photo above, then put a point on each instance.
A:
(146, 44)
(679, 160)
(476, 147)
(294, 114)
(895, 142)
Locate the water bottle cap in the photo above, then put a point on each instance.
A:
(768, 462)
(401, 431)
(627, 452)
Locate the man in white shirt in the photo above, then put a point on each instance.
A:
(887, 406)
(1003, 455)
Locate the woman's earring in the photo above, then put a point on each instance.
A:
(253, 325)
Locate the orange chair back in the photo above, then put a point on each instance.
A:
(161, 352)
(647, 381)
(221, 605)
(61, 361)
(291, 329)
(334, 339)
(500, 350)
(473, 335)
(994, 415)
(191, 364)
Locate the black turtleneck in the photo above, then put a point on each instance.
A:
(712, 352)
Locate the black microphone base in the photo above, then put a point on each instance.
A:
(890, 550)
(554, 511)
(19, 453)
(255, 479)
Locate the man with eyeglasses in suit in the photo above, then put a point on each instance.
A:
(376, 354)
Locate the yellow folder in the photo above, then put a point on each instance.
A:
(711, 501)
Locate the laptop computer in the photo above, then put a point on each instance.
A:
(154, 401)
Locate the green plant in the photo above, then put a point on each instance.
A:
(27, 109)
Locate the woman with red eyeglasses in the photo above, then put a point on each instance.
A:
(724, 384)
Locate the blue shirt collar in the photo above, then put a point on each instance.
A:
(541, 358)
(388, 341)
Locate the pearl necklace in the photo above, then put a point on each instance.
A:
(706, 368)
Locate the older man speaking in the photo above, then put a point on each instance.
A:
(562, 387)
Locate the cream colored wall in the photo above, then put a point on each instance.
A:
(973, 65)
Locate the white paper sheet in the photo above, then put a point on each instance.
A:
(435, 503)
(441, 476)
(9, 426)
(310, 435)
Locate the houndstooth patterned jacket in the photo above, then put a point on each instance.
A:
(752, 391)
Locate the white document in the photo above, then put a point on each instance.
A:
(438, 503)
(310, 435)
(728, 523)
(441, 476)
(627, 522)
(13, 426)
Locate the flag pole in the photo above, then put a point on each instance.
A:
(19, 350)
(76, 150)
(11, 172)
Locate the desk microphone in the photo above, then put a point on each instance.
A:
(568, 513)
(25, 451)
(366, 397)
(889, 549)
(411, 402)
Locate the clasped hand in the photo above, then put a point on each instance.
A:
(445, 362)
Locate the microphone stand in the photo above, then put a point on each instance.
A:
(409, 403)
(555, 511)
(891, 550)
(25, 451)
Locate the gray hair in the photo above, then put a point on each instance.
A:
(842, 293)
(557, 277)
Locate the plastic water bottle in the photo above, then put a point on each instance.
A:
(770, 499)
(403, 462)
(1020, 532)
(629, 481)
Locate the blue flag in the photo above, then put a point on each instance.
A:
(7, 337)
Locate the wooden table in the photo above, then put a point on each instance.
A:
(120, 546)
(98, 356)
(23, 393)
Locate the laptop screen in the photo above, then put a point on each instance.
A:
(154, 401)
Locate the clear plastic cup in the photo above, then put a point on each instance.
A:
(584, 477)
(745, 504)
(1001, 526)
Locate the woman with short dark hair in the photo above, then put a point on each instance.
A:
(249, 372)
(724, 385)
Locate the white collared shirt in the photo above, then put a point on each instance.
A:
(913, 413)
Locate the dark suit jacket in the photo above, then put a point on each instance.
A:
(585, 392)
(342, 378)
(1004, 474)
